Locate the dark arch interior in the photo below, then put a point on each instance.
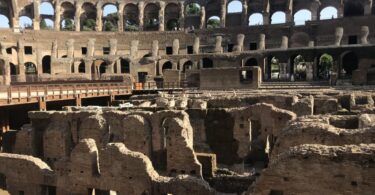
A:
(187, 66)
(349, 63)
(167, 65)
(30, 68)
(46, 64)
(207, 63)
(125, 66)
(353, 8)
(103, 68)
(251, 62)
(82, 68)
(13, 69)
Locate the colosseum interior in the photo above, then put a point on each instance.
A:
(182, 97)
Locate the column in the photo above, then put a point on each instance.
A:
(15, 24)
(340, 11)
(182, 16)
(289, 16)
(223, 13)
(77, 19)
(99, 18)
(266, 12)
(161, 16)
(141, 15)
(203, 18)
(121, 18)
(21, 63)
(368, 7)
(57, 16)
(36, 19)
(315, 11)
(309, 71)
(245, 17)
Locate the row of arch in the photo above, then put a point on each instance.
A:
(110, 14)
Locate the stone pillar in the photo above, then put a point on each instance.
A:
(54, 49)
(36, 19)
(266, 18)
(21, 62)
(340, 11)
(141, 5)
(283, 70)
(16, 24)
(289, 16)
(218, 45)
(176, 47)
(223, 13)
(196, 46)
(315, 11)
(99, 18)
(70, 46)
(309, 71)
(182, 16)
(134, 49)
(77, 18)
(240, 41)
(91, 48)
(203, 18)
(161, 16)
(368, 7)
(311, 44)
(57, 16)
(113, 47)
(365, 31)
(245, 18)
(121, 18)
(338, 35)
(284, 42)
(262, 41)
(155, 49)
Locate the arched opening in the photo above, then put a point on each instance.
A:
(26, 22)
(328, 13)
(187, 66)
(278, 18)
(251, 62)
(46, 8)
(172, 16)
(4, 21)
(103, 68)
(349, 64)
(207, 63)
(47, 13)
(46, 64)
(110, 18)
(256, 19)
(324, 66)
(167, 66)
(131, 14)
(298, 67)
(46, 24)
(193, 9)
(213, 22)
(13, 69)
(302, 16)
(151, 17)
(82, 67)
(68, 14)
(353, 8)
(235, 6)
(125, 66)
(88, 17)
(274, 68)
(30, 68)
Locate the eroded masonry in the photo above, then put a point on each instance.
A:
(187, 97)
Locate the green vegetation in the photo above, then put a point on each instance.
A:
(193, 9)
(89, 25)
(173, 24)
(325, 66)
(110, 23)
(44, 26)
(152, 24)
(68, 25)
(213, 23)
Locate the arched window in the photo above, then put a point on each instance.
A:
(171, 16)
(151, 17)
(4, 22)
(349, 64)
(324, 67)
(302, 16)
(30, 68)
(213, 22)
(88, 17)
(67, 17)
(46, 64)
(298, 67)
(46, 24)
(256, 19)
(234, 6)
(273, 68)
(26, 22)
(353, 8)
(328, 13)
(13, 69)
(167, 66)
(193, 9)
(187, 66)
(46, 8)
(110, 18)
(103, 68)
(131, 14)
(82, 67)
(125, 66)
(278, 18)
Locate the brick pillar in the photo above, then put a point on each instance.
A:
(77, 19)
(245, 17)
(36, 19)
(121, 19)
(182, 16)
(223, 13)
(161, 16)
(141, 15)
(99, 18)
(57, 16)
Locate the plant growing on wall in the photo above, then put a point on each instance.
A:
(110, 23)
(213, 23)
(68, 25)
(325, 66)
(89, 25)
(193, 9)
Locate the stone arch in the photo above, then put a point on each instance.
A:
(151, 17)
(46, 64)
(234, 6)
(278, 17)
(193, 9)
(5, 21)
(13, 69)
(5, 13)
(125, 66)
(324, 65)
(256, 19)
(329, 12)
(353, 8)
(82, 67)
(273, 69)
(349, 63)
(110, 17)
(131, 17)
(103, 68)
(26, 22)
(172, 16)
(300, 39)
(167, 66)
(30, 68)
(207, 63)
(213, 22)
(188, 65)
(301, 16)
(67, 16)
(88, 17)
(298, 67)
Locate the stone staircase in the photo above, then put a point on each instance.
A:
(295, 85)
